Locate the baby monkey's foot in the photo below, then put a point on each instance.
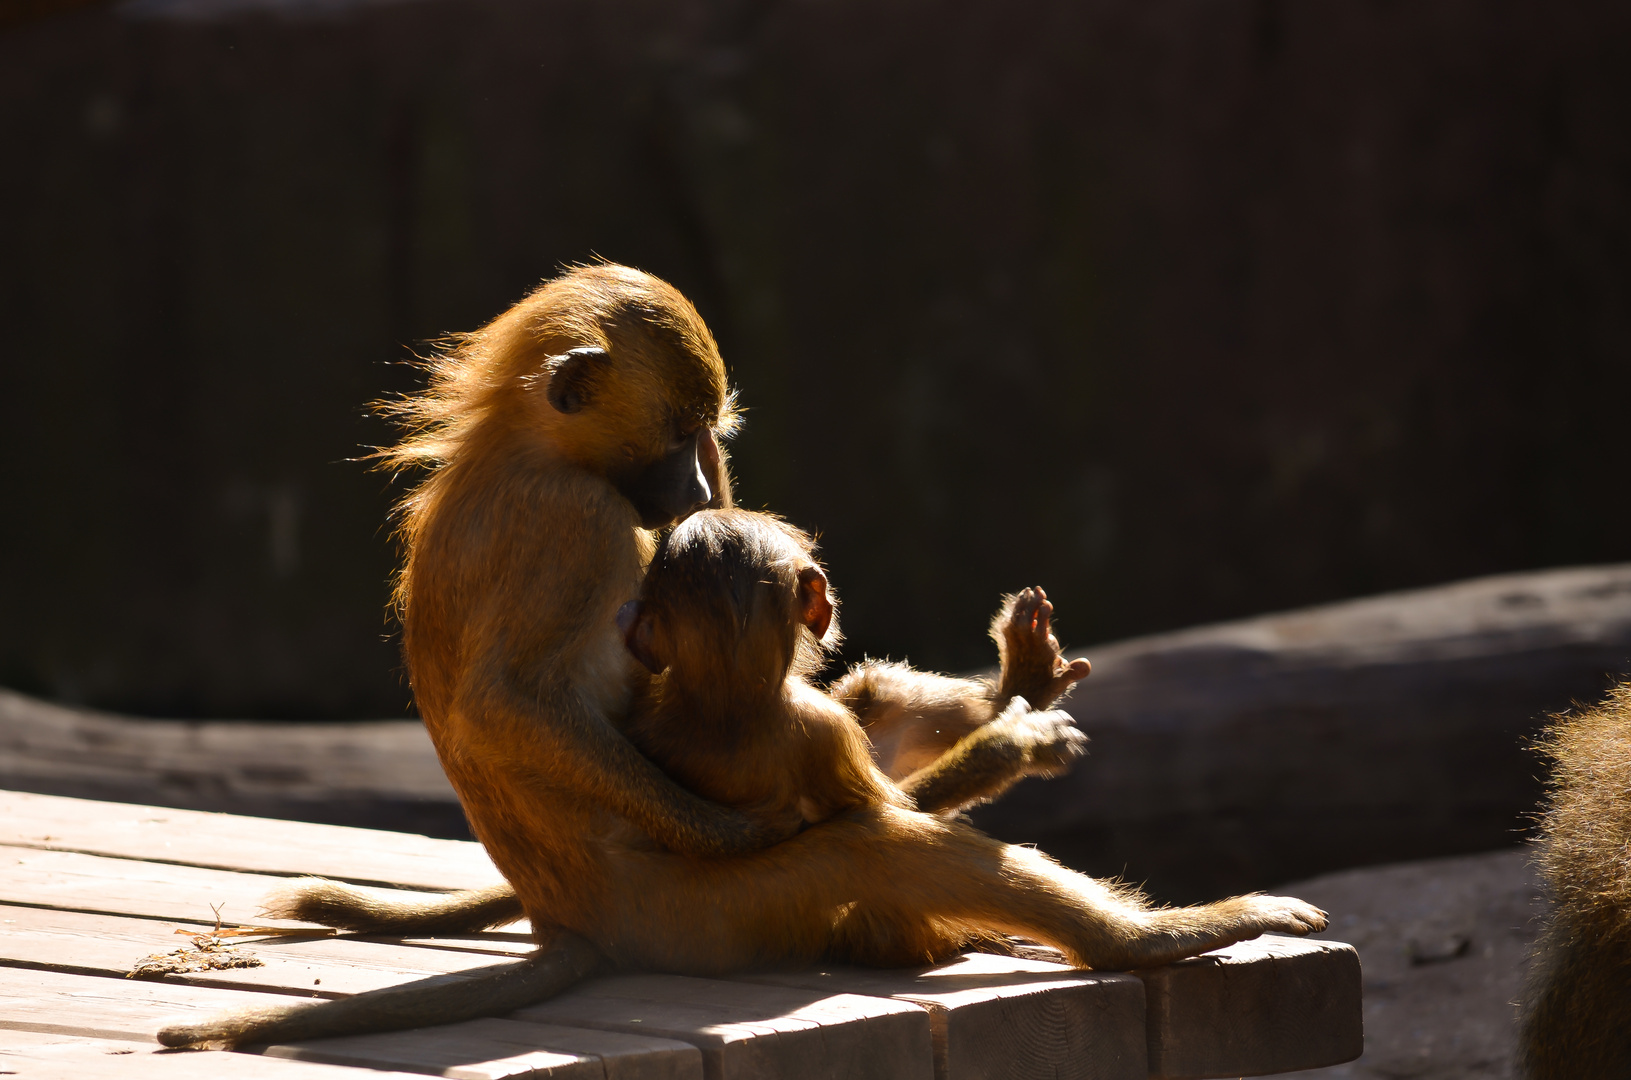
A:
(1045, 743)
(1283, 915)
(1169, 934)
(1031, 665)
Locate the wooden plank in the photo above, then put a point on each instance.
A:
(64, 1004)
(489, 1049)
(109, 945)
(95, 883)
(31, 1055)
(40, 1002)
(116, 886)
(748, 1032)
(232, 842)
(68, 879)
(1274, 1004)
(1001, 1017)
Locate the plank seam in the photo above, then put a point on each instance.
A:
(103, 973)
(375, 883)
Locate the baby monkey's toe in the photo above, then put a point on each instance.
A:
(1031, 664)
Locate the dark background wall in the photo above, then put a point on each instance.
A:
(1187, 309)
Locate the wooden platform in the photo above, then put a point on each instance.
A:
(89, 888)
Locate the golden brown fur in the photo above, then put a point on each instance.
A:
(732, 614)
(701, 721)
(1577, 1016)
(914, 719)
(724, 620)
(520, 546)
(559, 436)
(733, 618)
(988, 751)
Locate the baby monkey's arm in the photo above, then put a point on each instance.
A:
(934, 734)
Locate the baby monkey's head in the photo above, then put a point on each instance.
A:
(736, 596)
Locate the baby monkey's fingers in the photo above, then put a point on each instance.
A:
(1049, 740)
(1056, 755)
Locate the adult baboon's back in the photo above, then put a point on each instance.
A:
(1577, 1016)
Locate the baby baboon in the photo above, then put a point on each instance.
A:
(1577, 1014)
(731, 620)
(732, 713)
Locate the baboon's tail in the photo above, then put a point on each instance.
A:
(1577, 1013)
(372, 911)
(564, 962)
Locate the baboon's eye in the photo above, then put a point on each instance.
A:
(683, 435)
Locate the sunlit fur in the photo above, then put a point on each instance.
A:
(1577, 1013)
(961, 742)
(485, 396)
(518, 552)
(733, 716)
(520, 548)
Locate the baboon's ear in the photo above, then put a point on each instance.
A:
(572, 377)
(635, 624)
(815, 607)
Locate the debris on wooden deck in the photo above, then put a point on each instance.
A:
(89, 888)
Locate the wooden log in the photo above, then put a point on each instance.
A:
(380, 774)
(999, 1016)
(490, 1049)
(1446, 945)
(32, 1055)
(1274, 1004)
(234, 842)
(747, 1032)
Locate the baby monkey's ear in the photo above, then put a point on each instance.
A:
(815, 607)
(635, 623)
